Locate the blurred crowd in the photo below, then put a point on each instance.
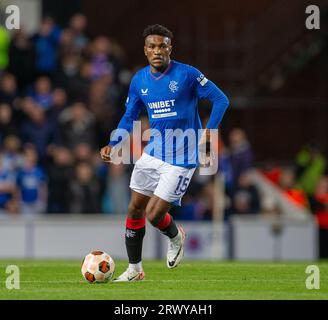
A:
(305, 183)
(62, 94)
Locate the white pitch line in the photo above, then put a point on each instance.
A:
(171, 280)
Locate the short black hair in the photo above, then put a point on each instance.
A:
(157, 29)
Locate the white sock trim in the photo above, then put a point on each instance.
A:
(136, 266)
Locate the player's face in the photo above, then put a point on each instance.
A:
(157, 50)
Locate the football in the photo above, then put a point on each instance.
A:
(97, 266)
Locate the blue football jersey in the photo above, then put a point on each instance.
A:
(29, 182)
(171, 99)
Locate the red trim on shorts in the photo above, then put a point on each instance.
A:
(135, 223)
(165, 222)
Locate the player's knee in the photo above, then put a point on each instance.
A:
(155, 213)
(135, 210)
(150, 213)
(154, 217)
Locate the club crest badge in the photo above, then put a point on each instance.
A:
(173, 86)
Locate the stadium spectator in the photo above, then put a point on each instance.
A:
(102, 103)
(117, 190)
(319, 206)
(39, 131)
(225, 165)
(4, 47)
(76, 79)
(246, 198)
(100, 58)
(197, 203)
(66, 43)
(60, 174)
(7, 125)
(241, 154)
(42, 93)
(67, 71)
(194, 208)
(31, 182)
(206, 202)
(59, 103)
(11, 157)
(311, 165)
(101, 173)
(77, 125)
(290, 189)
(8, 88)
(78, 24)
(22, 59)
(82, 152)
(85, 190)
(46, 42)
(8, 190)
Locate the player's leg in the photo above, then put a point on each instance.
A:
(157, 214)
(134, 234)
(135, 228)
(171, 187)
(143, 182)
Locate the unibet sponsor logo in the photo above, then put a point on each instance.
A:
(161, 104)
(162, 109)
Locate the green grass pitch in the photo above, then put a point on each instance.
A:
(59, 279)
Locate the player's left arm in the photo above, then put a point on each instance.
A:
(206, 89)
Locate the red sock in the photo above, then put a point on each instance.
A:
(135, 224)
(165, 222)
(134, 234)
(167, 226)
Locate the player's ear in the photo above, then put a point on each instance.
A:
(145, 50)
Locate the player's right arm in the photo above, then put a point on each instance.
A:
(105, 153)
(133, 107)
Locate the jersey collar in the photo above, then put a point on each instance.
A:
(162, 74)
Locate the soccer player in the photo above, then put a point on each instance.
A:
(170, 91)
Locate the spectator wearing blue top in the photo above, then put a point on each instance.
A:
(42, 94)
(31, 182)
(8, 191)
(12, 159)
(46, 43)
(40, 131)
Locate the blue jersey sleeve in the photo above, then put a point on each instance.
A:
(206, 89)
(41, 175)
(133, 107)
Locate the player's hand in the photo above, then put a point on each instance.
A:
(205, 136)
(105, 153)
(206, 159)
(206, 154)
